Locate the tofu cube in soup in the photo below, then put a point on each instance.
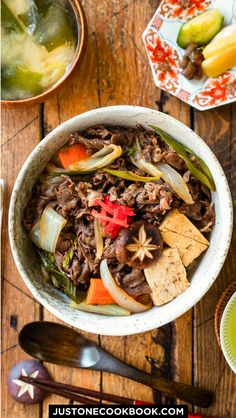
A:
(167, 278)
(178, 232)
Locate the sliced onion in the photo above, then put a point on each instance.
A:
(146, 166)
(100, 159)
(51, 168)
(51, 224)
(98, 238)
(119, 295)
(35, 234)
(149, 168)
(176, 181)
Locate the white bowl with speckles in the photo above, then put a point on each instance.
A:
(24, 253)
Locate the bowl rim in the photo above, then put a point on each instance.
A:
(127, 325)
(231, 302)
(78, 56)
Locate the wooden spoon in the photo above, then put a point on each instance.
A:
(55, 343)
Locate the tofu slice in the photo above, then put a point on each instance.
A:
(178, 232)
(167, 278)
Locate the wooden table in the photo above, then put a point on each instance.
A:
(115, 71)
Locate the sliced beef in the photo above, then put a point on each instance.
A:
(193, 211)
(134, 283)
(83, 190)
(65, 242)
(85, 234)
(128, 197)
(151, 214)
(153, 149)
(102, 181)
(66, 196)
(173, 159)
(109, 251)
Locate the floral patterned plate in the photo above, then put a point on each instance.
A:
(165, 55)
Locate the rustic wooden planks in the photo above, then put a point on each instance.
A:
(115, 71)
(21, 133)
(217, 127)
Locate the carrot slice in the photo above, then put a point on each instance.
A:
(98, 294)
(72, 154)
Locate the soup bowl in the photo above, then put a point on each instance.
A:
(77, 59)
(24, 252)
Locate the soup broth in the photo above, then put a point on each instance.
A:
(39, 39)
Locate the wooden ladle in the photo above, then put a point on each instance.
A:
(55, 343)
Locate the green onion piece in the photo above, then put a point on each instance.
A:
(98, 238)
(199, 175)
(100, 159)
(128, 175)
(70, 288)
(110, 310)
(68, 257)
(204, 175)
(82, 174)
(55, 282)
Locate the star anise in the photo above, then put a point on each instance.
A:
(142, 246)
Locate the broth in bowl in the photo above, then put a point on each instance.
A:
(39, 41)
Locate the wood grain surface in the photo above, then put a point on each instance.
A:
(115, 71)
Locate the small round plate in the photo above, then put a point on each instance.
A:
(165, 56)
(225, 338)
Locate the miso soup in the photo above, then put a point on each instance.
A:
(39, 40)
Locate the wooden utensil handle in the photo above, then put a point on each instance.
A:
(187, 393)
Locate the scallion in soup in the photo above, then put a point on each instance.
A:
(39, 39)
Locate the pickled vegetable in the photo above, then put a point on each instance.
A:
(201, 29)
(224, 39)
(39, 39)
(218, 64)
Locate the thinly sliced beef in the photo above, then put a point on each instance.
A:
(109, 249)
(65, 242)
(66, 196)
(93, 145)
(134, 283)
(173, 159)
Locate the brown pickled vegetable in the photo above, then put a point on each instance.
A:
(139, 246)
(191, 62)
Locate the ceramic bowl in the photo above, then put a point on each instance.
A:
(225, 336)
(79, 54)
(24, 252)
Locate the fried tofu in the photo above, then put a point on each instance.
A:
(167, 278)
(178, 232)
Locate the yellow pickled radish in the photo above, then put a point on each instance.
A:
(224, 39)
(218, 64)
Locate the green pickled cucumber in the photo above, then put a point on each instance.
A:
(201, 29)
